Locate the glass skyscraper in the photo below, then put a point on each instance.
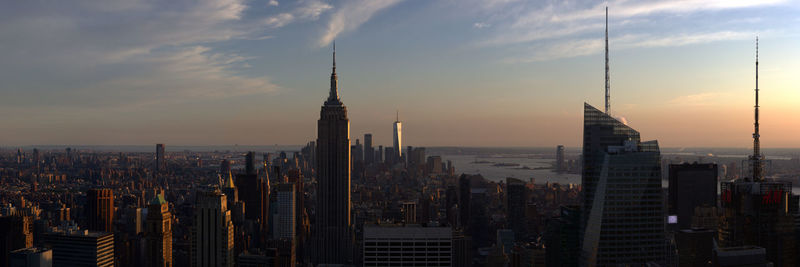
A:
(623, 212)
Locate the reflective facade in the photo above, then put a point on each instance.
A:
(623, 204)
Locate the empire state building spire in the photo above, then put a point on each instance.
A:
(333, 98)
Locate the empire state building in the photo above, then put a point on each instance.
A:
(334, 234)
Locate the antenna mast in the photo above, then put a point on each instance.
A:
(608, 79)
(756, 158)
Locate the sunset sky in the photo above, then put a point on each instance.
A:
(460, 72)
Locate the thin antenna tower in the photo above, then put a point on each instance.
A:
(608, 79)
(757, 158)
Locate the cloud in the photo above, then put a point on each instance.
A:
(305, 11)
(84, 53)
(481, 25)
(279, 20)
(556, 26)
(351, 15)
(580, 47)
(273, 3)
(701, 99)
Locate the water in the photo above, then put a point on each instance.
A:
(466, 164)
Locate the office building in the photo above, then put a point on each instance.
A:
(158, 234)
(100, 210)
(334, 232)
(744, 256)
(394, 245)
(369, 150)
(560, 159)
(695, 246)
(74, 247)
(250, 163)
(285, 223)
(212, 234)
(562, 239)
(691, 186)
(622, 186)
(397, 138)
(254, 192)
(464, 189)
(435, 165)
(15, 233)
(159, 162)
(516, 200)
(31, 257)
(409, 210)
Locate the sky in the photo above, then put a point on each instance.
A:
(460, 72)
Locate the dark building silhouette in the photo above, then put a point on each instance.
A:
(159, 163)
(100, 210)
(516, 200)
(691, 186)
(464, 188)
(81, 248)
(560, 158)
(254, 192)
(334, 230)
(369, 151)
(562, 239)
(212, 233)
(15, 233)
(622, 183)
(159, 233)
(695, 246)
(250, 163)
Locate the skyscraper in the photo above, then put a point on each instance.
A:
(212, 234)
(691, 186)
(397, 138)
(369, 151)
(622, 186)
(100, 209)
(15, 233)
(250, 163)
(560, 158)
(516, 199)
(254, 192)
(81, 248)
(334, 233)
(285, 224)
(159, 158)
(159, 233)
(755, 211)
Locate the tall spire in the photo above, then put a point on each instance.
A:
(756, 158)
(397, 116)
(333, 98)
(608, 79)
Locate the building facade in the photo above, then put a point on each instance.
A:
(407, 246)
(333, 231)
(159, 233)
(100, 209)
(625, 213)
(212, 234)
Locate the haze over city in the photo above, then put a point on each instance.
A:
(461, 73)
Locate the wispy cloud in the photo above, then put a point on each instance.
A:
(568, 28)
(165, 45)
(351, 15)
(480, 25)
(581, 47)
(701, 99)
(308, 10)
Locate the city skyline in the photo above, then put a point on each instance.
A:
(256, 67)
